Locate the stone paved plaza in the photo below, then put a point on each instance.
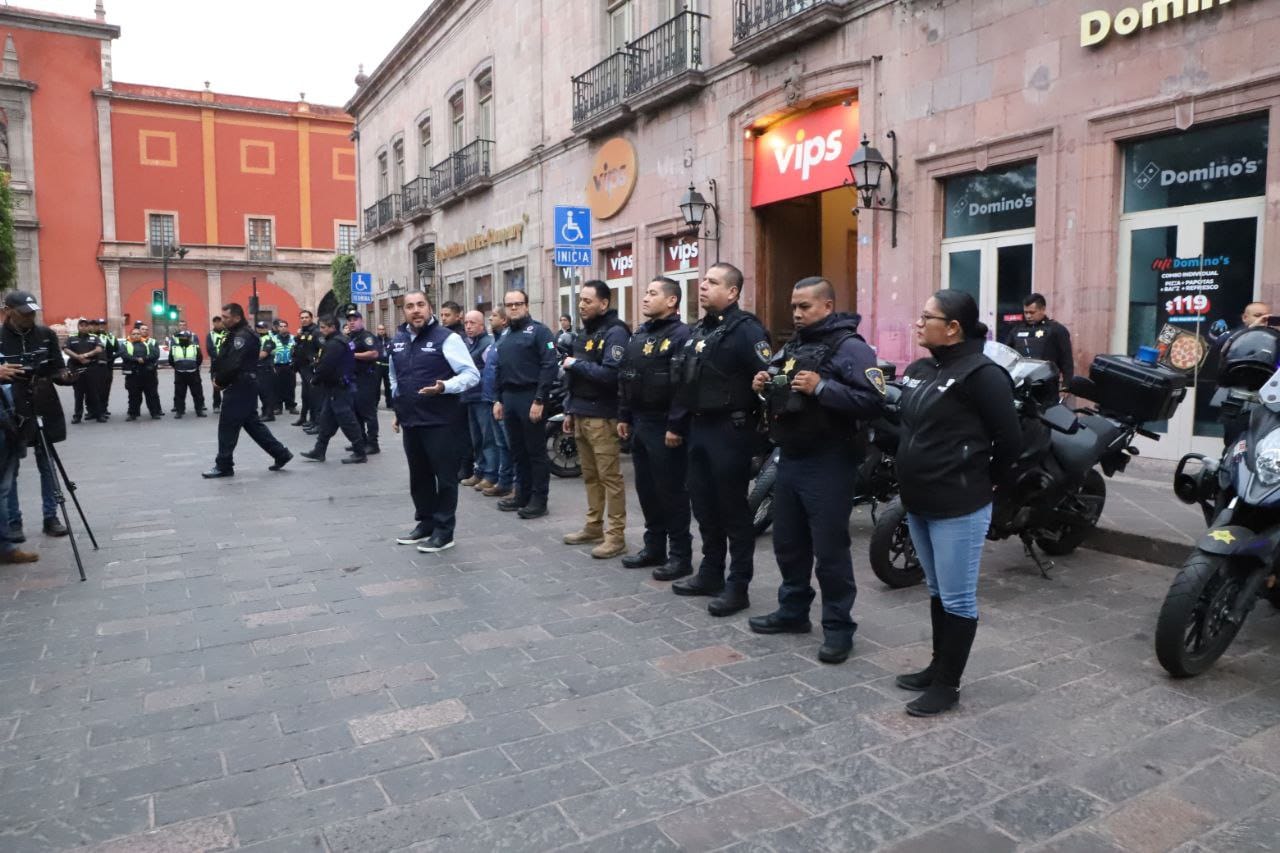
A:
(255, 664)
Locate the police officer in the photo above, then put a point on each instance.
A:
(365, 347)
(591, 410)
(84, 351)
(430, 369)
(139, 358)
(334, 379)
(185, 358)
(282, 362)
(110, 349)
(306, 349)
(526, 371)
(819, 386)
(1039, 337)
(235, 372)
(657, 425)
(384, 365)
(715, 369)
(213, 345)
(265, 369)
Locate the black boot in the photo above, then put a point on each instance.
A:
(728, 602)
(922, 679)
(644, 560)
(535, 508)
(953, 655)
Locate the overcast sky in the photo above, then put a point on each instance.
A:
(268, 48)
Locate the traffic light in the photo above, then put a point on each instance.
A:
(173, 314)
(157, 302)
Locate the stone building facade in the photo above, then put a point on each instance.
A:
(1119, 157)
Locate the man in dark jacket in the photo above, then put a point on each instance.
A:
(139, 356)
(1039, 337)
(85, 352)
(430, 370)
(235, 372)
(364, 346)
(526, 372)
(819, 387)
(591, 409)
(212, 345)
(306, 349)
(334, 379)
(649, 415)
(479, 416)
(384, 367)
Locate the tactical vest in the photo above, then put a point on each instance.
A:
(184, 358)
(703, 387)
(284, 351)
(798, 422)
(218, 338)
(263, 340)
(646, 374)
(590, 348)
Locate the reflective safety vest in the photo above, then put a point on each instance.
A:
(284, 350)
(184, 358)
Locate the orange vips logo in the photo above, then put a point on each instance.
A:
(613, 178)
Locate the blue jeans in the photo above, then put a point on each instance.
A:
(8, 476)
(506, 472)
(950, 551)
(484, 445)
(48, 503)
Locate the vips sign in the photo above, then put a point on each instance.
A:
(613, 178)
(804, 154)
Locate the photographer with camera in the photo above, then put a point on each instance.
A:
(30, 362)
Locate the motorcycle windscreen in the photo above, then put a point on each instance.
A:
(1002, 355)
(1257, 472)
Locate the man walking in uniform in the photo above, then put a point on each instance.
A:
(526, 371)
(727, 348)
(657, 425)
(591, 410)
(213, 345)
(430, 370)
(185, 358)
(819, 386)
(365, 347)
(1039, 337)
(235, 372)
(334, 379)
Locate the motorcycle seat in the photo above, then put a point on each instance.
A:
(1079, 451)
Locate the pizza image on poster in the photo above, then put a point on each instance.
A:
(1181, 349)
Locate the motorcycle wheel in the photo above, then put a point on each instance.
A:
(760, 501)
(893, 556)
(562, 450)
(1071, 535)
(1192, 631)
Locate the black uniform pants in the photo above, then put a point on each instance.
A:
(143, 384)
(336, 413)
(367, 385)
(286, 387)
(385, 369)
(528, 443)
(184, 382)
(433, 454)
(88, 386)
(660, 484)
(812, 500)
(719, 473)
(309, 407)
(266, 378)
(108, 377)
(240, 411)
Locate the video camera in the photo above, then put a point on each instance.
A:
(34, 364)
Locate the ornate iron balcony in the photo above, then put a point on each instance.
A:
(441, 180)
(601, 87)
(666, 51)
(471, 164)
(371, 218)
(756, 16)
(388, 209)
(415, 196)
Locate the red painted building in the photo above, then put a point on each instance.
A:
(106, 175)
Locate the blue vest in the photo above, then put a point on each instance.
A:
(419, 361)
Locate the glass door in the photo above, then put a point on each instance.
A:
(996, 270)
(1195, 269)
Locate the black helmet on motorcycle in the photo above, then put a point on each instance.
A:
(1249, 358)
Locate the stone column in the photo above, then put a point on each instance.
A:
(214, 284)
(115, 311)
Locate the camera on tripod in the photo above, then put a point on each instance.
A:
(33, 364)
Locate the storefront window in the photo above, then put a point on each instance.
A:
(681, 261)
(513, 279)
(996, 200)
(619, 273)
(569, 279)
(1216, 163)
(483, 295)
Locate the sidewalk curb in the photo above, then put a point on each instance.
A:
(1137, 547)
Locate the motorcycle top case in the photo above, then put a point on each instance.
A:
(1141, 391)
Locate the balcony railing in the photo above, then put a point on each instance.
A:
(388, 209)
(666, 51)
(601, 87)
(415, 196)
(472, 163)
(371, 218)
(756, 16)
(442, 178)
(662, 54)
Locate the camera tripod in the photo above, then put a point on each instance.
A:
(60, 473)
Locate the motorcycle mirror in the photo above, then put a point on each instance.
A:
(1061, 419)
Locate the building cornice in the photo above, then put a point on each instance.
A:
(216, 106)
(29, 19)
(404, 52)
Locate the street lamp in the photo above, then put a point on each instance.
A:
(169, 251)
(693, 207)
(867, 169)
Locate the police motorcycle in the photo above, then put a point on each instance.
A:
(562, 449)
(1235, 562)
(1058, 493)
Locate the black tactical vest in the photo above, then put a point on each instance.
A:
(705, 386)
(646, 374)
(590, 347)
(798, 422)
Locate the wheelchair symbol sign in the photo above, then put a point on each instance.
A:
(572, 226)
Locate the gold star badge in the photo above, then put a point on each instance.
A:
(590, 345)
(648, 348)
(699, 346)
(789, 366)
(1224, 536)
(666, 345)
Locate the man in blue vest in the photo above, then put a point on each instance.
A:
(282, 363)
(430, 369)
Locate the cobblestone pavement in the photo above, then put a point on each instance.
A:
(254, 664)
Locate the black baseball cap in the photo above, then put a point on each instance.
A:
(101, 321)
(352, 312)
(21, 301)
(262, 324)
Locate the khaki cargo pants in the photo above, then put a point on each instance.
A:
(599, 450)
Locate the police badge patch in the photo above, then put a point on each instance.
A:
(876, 377)
(762, 350)
(238, 343)
(616, 351)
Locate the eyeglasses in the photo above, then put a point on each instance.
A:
(514, 304)
(924, 318)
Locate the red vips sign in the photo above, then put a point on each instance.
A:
(805, 154)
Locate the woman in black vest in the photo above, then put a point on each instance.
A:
(961, 441)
